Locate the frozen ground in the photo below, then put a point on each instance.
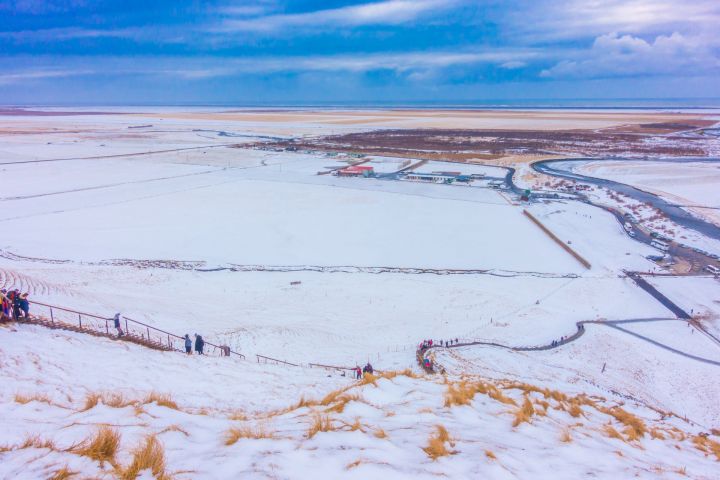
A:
(189, 233)
(693, 184)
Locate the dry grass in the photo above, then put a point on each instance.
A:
(354, 464)
(235, 434)
(524, 413)
(635, 428)
(162, 400)
(657, 434)
(436, 447)
(612, 433)
(464, 392)
(24, 399)
(102, 447)
(707, 446)
(63, 474)
(148, 456)
(321, 423)
(343, 400)
(114, 400)
(238, 415)
(489, 454)
(175, 428)
(681, 471)
(565, 436)
(32, 441)
(380, 433)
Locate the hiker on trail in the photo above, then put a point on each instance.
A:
(368, 369)
(25, 305)
(430, 343)
(427, 364)
(188, 344)
(456, 341)
(199, 344)
(358, 372)
(116, 320)
(4, 303)
(15, 297)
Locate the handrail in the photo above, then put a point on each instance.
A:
(128, 319)
(33, 302)
(275, 360)
(330, 366)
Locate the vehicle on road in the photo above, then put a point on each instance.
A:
(713, 269)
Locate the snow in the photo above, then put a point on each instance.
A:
(395, 417)
(257, 250)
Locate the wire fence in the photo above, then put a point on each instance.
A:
(127, 327)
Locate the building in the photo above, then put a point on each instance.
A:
(356, 171)
(446, 177)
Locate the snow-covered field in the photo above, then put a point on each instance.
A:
(257, 250)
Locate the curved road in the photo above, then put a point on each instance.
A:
(674, 212)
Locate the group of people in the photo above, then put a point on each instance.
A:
(199, 344)
(14, 305)
(562, 340)
(366, 369)
(440, 343)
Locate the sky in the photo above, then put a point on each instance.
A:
(109, 52)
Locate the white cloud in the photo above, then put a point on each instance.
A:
(568, 19)
(626, 55)
(388, 12)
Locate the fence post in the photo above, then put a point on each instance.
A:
(126, 327)
(169, 342)
(148, 329)
(52, 318)
(107, 329)
(80, 320)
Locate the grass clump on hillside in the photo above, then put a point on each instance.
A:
(524, 413)
(102, 447)
(148, 456)
(235, 434)
(321, 423)
(437, 443)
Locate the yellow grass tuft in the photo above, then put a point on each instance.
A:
(162, 400)
(657, 434)
(612, 433)
(380, 433)
(24, 399)
(524, 413)
(436, 447)
(34, 441)
(707, 446)
(565, 436)
(91, 400)
(235, 434)
(321, 423)
(63, 474)
(148, 456)
(489, 454)
(354, 464)
(682, 471)
(460, 394)
(102, 447)
(238, 415)
(343, 400)
(635, 428)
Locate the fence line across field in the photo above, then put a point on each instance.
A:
(131, 327)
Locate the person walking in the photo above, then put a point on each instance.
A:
(25, 305)
(16, 303)
(116, 321)
(188, 344)
(199, 344)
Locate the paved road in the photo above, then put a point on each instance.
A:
(667, 303)
(580, 332)
(675, 213)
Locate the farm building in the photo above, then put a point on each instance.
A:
(356, 171)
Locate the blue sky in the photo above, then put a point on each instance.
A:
(282, 52)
